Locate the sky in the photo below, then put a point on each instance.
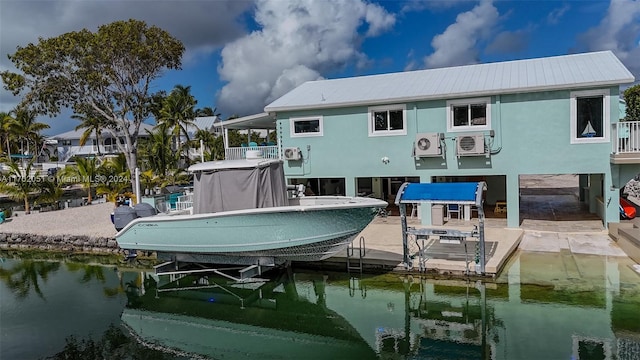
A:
(242, 55)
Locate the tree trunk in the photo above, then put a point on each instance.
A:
(26, 206)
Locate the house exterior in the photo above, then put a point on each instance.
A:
(68, 144)
(491, 122)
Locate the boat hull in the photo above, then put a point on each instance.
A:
(295, 233)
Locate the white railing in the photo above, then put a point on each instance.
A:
(184, 202)
(236, 153)
(625, 137)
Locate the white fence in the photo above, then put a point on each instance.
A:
(266, 152)
(184, 202)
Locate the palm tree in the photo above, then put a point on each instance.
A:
(6, 124)
(157, 148)
(91, 124)
(84, 172)
(177, 112)
(27, 128)
(20, 185)
(115, 175)
(50, 192)
(207, 111)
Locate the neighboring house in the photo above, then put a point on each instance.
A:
(204, 123)
(201, 123)
(68, 144)
(491, 122)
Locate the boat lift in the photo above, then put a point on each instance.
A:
(460, 193)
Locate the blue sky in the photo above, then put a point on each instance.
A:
(241, 55)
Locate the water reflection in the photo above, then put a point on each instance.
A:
(23, 277)
(543, 306)
(553, 306)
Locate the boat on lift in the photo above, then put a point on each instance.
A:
(243, 214)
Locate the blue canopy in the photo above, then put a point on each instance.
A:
(457, 192)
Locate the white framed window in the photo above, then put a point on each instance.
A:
(387, 120)
(469, 114)
(590, 118)
(66, 142)
(306, 126)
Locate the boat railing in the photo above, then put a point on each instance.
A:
(625, 137)
(237, 153)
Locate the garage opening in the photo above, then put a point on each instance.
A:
(557, 198)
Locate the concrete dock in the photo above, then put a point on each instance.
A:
(383, 250)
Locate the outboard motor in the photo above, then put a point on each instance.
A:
(123, 215)
(144, 210)
(126, 214)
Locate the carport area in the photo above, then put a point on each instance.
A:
(553, 203)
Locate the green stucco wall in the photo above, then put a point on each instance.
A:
(531, 136)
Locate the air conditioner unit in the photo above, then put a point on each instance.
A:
(292, 153)
(427, 144)
(470, 144)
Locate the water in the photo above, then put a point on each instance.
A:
(543, 306)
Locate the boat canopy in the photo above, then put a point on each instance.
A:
(255, 184)
(442, 193)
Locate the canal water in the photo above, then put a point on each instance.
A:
(543, 306)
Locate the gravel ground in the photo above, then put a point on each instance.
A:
(91, 220)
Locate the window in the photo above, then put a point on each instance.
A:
(469, 114)
(589, 116)
(66, 142)
(307, 126)
(387, 120)
(110, 145)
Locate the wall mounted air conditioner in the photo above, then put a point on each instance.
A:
(292, 153)
(427, 144)
(470, 144)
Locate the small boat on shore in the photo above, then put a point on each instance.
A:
(242, 214)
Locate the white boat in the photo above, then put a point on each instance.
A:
(242, 214)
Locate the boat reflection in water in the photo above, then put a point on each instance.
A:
(530, 312)
(283, 318)
(543, 306)
(211, 316)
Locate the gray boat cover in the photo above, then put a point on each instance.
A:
(239, 189)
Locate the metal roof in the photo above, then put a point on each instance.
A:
(551, 73)
(204, 122)
(255, 121)
(77, 134)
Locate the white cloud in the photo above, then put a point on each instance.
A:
(618, 31)
(298, 41)
(556, 14)
(202, 26)
(458, 44)
(509, 42)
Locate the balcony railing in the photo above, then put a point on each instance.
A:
(267, 152)
(625, 142)
(184, 202)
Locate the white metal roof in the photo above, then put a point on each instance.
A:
(77, 134)
(254, 121)
(551, 73)
(204, 122)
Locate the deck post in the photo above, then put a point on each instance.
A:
(405, 245)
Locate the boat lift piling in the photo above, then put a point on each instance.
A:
(461, 194)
